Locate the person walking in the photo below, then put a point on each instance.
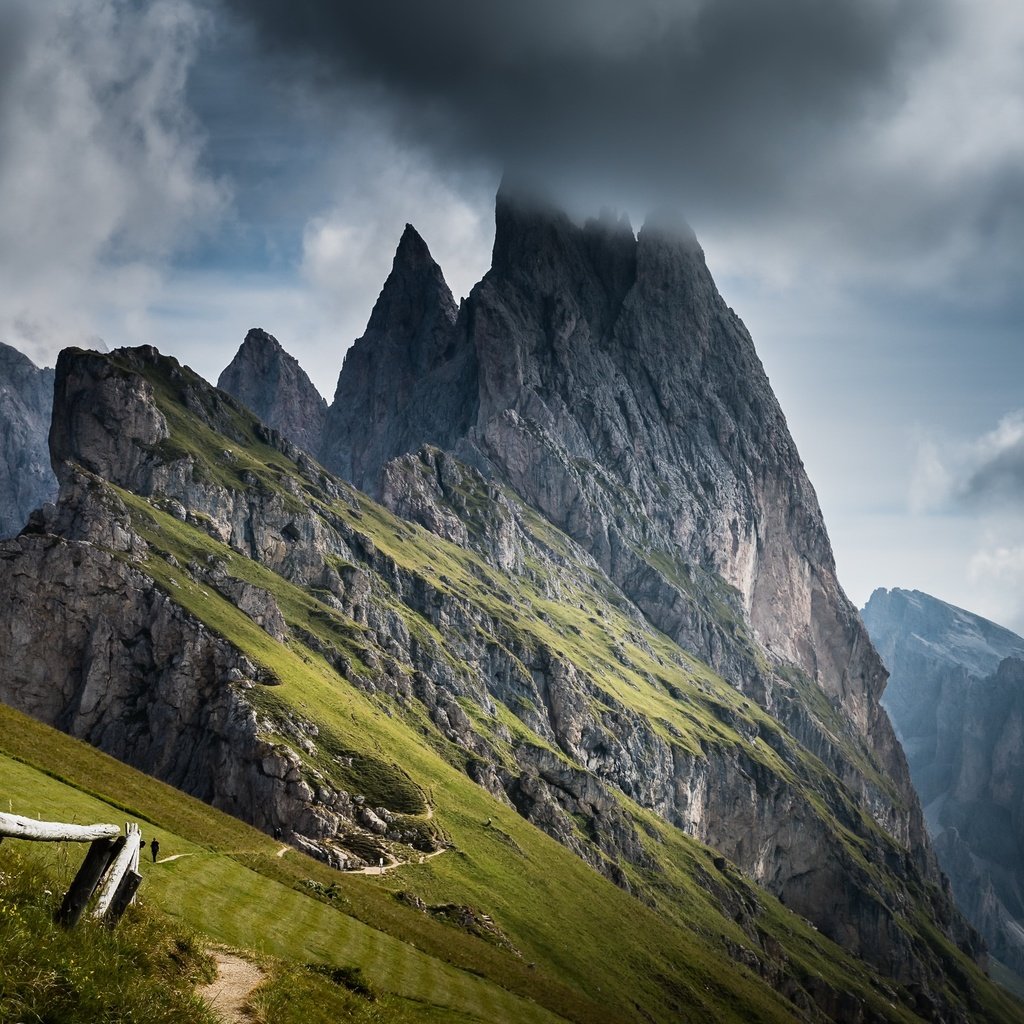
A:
(154, 845)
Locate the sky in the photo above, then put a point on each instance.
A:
(174, 172)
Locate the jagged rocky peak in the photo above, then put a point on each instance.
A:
(534, 238)
(26, 398)
(264, 377)
(415, 297)
(904, 621)
(603, 377)
(406, 375)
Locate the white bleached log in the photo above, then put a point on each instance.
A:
(126, 856)
(14, 826)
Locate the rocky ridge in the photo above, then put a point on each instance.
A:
(626, 662)
(600, 376)
(26, 480)
(956, 697)
(533, 671)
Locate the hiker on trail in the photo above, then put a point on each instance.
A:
(154, 845)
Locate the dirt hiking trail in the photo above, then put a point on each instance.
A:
(228, 992)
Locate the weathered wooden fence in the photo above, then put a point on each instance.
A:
(111, 865)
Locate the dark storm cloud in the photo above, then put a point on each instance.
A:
(714, 98)
(15, 27)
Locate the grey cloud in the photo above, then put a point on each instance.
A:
(100, 178)
(983, 475)
(866, 139)
(720, 99)
(999, 476)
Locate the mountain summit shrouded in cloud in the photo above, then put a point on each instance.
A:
(847, 117)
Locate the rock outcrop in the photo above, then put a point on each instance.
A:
(956, 697)
(269, 381)
(26, 480)
(405, 376)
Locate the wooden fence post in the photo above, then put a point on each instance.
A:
(121, 864)
(133, 868)
(112, 863)
(125, 894)
(96, 862)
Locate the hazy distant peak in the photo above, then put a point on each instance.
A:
(949, 634)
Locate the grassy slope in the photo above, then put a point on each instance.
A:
(233, 887)
(149, 967)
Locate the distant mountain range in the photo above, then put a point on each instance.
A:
(956, 698)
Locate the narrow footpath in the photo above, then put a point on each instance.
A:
(228, 993)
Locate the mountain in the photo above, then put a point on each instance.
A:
(403, 376)
(601, 377)
(584, 668)
(956, 697)
(271, 383)
(26, 480)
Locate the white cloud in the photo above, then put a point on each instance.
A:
(995, 574)
(920, 190)
(985, 472)
(1000, 565)
(931, 482)
(100, 177)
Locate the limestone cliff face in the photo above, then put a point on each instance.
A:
(602, 377)
(956, 696)
(111, 659)
(26, 480)
(266, 379)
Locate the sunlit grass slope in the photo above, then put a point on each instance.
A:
(594, 957)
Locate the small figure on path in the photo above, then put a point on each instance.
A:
(154, 845)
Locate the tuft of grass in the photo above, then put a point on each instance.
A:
(299, 994)
(348, 977)
(144, 971)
